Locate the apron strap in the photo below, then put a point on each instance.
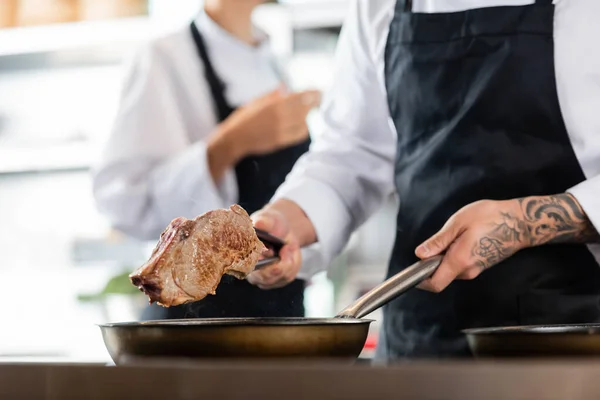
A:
(217, 86)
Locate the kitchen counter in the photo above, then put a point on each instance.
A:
(464, 380)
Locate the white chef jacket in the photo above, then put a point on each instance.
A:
(349, 170)
(154, 165)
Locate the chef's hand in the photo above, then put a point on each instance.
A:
(274, 121)
(285, 219)
(279, 274)
(487, 232)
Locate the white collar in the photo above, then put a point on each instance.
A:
(214, 33)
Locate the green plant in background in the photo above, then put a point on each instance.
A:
(119, 284)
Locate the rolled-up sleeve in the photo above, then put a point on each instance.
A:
(348, 172)
(150, 171)
(587, 194)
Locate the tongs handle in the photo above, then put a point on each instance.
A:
(273, 243)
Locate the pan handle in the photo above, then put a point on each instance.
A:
(391, 288)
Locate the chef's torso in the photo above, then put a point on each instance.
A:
(474, 101)
(248, 72)
(154, 165)
(574, 24)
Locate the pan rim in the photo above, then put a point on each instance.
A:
(577, 329)
(204, 322)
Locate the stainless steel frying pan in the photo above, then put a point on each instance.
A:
(343, 336)
(582, 340)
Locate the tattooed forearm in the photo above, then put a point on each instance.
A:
(557, 219)
(536, 221)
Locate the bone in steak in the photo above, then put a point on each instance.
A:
(192, 256)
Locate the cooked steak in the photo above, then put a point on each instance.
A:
(192, 256)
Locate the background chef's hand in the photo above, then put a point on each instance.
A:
(274, 121)
(477, 237)
(285, 271)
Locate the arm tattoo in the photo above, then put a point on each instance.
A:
(557, 219)
(542, 220)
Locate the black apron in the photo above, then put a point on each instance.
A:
(258, 177)
(473, 98)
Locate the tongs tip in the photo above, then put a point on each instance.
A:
(273, 243)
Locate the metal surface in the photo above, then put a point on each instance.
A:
(270, 240)
(273, 243)
(265, 262)
(536, 341)
(392, 288)
(340, 337)
(237, 338)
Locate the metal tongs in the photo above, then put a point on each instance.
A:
(273, 243)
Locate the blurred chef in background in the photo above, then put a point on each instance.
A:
(205, 121)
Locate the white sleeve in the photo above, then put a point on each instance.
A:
(348, 172)
(150, 172)
(578, 84)
(587, 194)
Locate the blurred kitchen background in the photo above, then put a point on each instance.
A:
(62, 268)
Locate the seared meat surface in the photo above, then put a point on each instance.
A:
(192, 256)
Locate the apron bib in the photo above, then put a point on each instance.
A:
(258, 177)
(473, 98)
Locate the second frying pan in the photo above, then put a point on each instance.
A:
(536, 341)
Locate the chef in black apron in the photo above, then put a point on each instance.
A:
(257, 176)
(473, 97)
